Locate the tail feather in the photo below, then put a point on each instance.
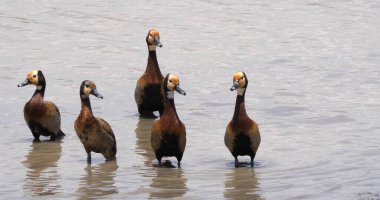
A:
(60, 133)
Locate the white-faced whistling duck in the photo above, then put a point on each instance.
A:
(42, 117)
(95, 133)
(242, 133)
(168, 136)
(149, 96)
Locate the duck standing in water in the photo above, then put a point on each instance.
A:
(42, 117)
(168, 136)
(95, 133)
(242, 135)
(149, 96)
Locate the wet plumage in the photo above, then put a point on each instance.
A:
(242, 135)
(149, 95)
(168, 136)
(95, 133)
(42, 117)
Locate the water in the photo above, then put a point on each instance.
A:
(313, 89)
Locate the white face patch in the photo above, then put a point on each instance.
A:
(87, 90)
(242, 82)
(240, 91)
(170, 94)
(38, 87)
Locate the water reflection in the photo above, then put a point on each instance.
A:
(168, 183)
(98, 181)
(241, 183)
(42, 177)
(143, 146)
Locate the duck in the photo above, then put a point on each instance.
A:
(242, 135)
(168, 135)
(42, 117)
(149, 95)
(95, 133)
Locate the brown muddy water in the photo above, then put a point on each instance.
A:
(314, 88)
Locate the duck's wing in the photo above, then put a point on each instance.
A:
(182, 138)
(254, 136)
(229, 137)
(156, 135)
(51, 119)
(106, 128)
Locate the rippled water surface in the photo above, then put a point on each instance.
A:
(313, 70)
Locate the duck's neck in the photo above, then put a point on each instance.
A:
(170, 105)
(152, 64)
(40, 91)
(239, 107)
(86, 110)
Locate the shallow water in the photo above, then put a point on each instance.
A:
(313, 89)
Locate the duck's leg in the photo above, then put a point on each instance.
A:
(236, 162)
(36, 140)
(35, 129)
(159, 157)
(252, 159)
(159, 161)
(53, 137)
(147, 115)
(89, 157)
(36, 136)
(179, 158)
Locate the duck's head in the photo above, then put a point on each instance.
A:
(153, 39)
(34, 77)
(171, 84)
(240, 82)
(89, 87)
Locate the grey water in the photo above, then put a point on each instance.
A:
(313, 71)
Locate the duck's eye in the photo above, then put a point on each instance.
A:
(34, 76)
(170, 81)
(87, 86)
